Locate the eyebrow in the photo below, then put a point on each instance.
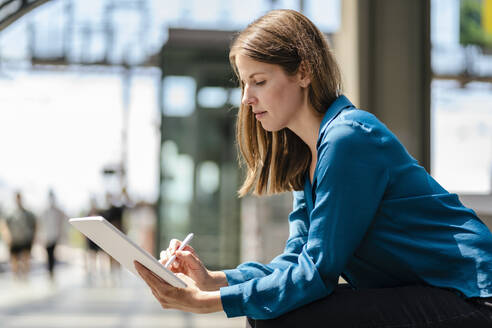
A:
(255, 74)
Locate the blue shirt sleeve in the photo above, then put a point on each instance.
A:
(348, 187)
(298, 223)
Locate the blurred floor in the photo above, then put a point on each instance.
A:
(74, 302)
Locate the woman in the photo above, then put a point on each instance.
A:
(364, 209)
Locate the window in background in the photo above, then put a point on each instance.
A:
(179, 95)
(461, 94)
(212, 97)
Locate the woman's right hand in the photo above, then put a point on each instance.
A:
(188, 263)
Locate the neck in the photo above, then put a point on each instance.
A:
(306, 126)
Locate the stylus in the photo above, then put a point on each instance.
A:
(183, 244)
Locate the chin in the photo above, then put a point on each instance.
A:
(270, 128)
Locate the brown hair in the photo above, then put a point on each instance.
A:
(277, 161)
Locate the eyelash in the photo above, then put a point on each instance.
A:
(260, 83)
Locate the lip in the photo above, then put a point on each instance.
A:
(259, 114)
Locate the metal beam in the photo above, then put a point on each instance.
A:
(12, 10)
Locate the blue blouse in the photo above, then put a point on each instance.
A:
(372, 215)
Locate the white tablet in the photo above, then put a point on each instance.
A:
(121, 248)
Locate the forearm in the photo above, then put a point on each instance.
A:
(273, 295)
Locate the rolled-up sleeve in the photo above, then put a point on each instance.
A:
(350, 181)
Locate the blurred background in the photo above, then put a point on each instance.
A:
(126, 109)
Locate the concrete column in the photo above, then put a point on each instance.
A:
(346, 45)
(383, 48)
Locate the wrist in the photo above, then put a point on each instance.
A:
(219, 279)
(210, 302)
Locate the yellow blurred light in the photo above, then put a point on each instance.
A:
(487, 16)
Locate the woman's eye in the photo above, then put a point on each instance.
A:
(260, 83)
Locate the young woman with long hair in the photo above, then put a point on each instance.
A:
(364, 209)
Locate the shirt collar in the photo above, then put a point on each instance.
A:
(335, 108)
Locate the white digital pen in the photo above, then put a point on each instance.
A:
(183, 244)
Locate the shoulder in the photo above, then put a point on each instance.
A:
(356, 136)
(358, 115)
(352, 128)
(361, 123)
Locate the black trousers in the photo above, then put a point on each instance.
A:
(50, 249)
(408, 307)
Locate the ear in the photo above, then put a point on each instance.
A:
(304, 76)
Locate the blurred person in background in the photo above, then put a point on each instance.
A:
(364, 209)
(114, 211)
(143, 216)
(4, 257)
(51, 228)
(92, 250)
(139, 221)
(19, 231)
(117, 205)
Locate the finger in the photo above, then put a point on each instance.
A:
(160, 299)
(189, 249)
(164, 256)
(163, 262)
(156, 294)
(174, 245)
(142, 270)
(148, 276)
(170, 253)
(188, 257)
(173, 267)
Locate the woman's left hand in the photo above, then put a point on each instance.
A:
(189, 299)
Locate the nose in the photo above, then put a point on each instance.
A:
(248, 98)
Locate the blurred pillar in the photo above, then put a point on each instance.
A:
(264, 226)
(384, 51)
(126, 92)
(346, 43)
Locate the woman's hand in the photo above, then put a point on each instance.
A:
(189, 299)
(188, 263)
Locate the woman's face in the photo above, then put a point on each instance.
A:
(275, 97)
